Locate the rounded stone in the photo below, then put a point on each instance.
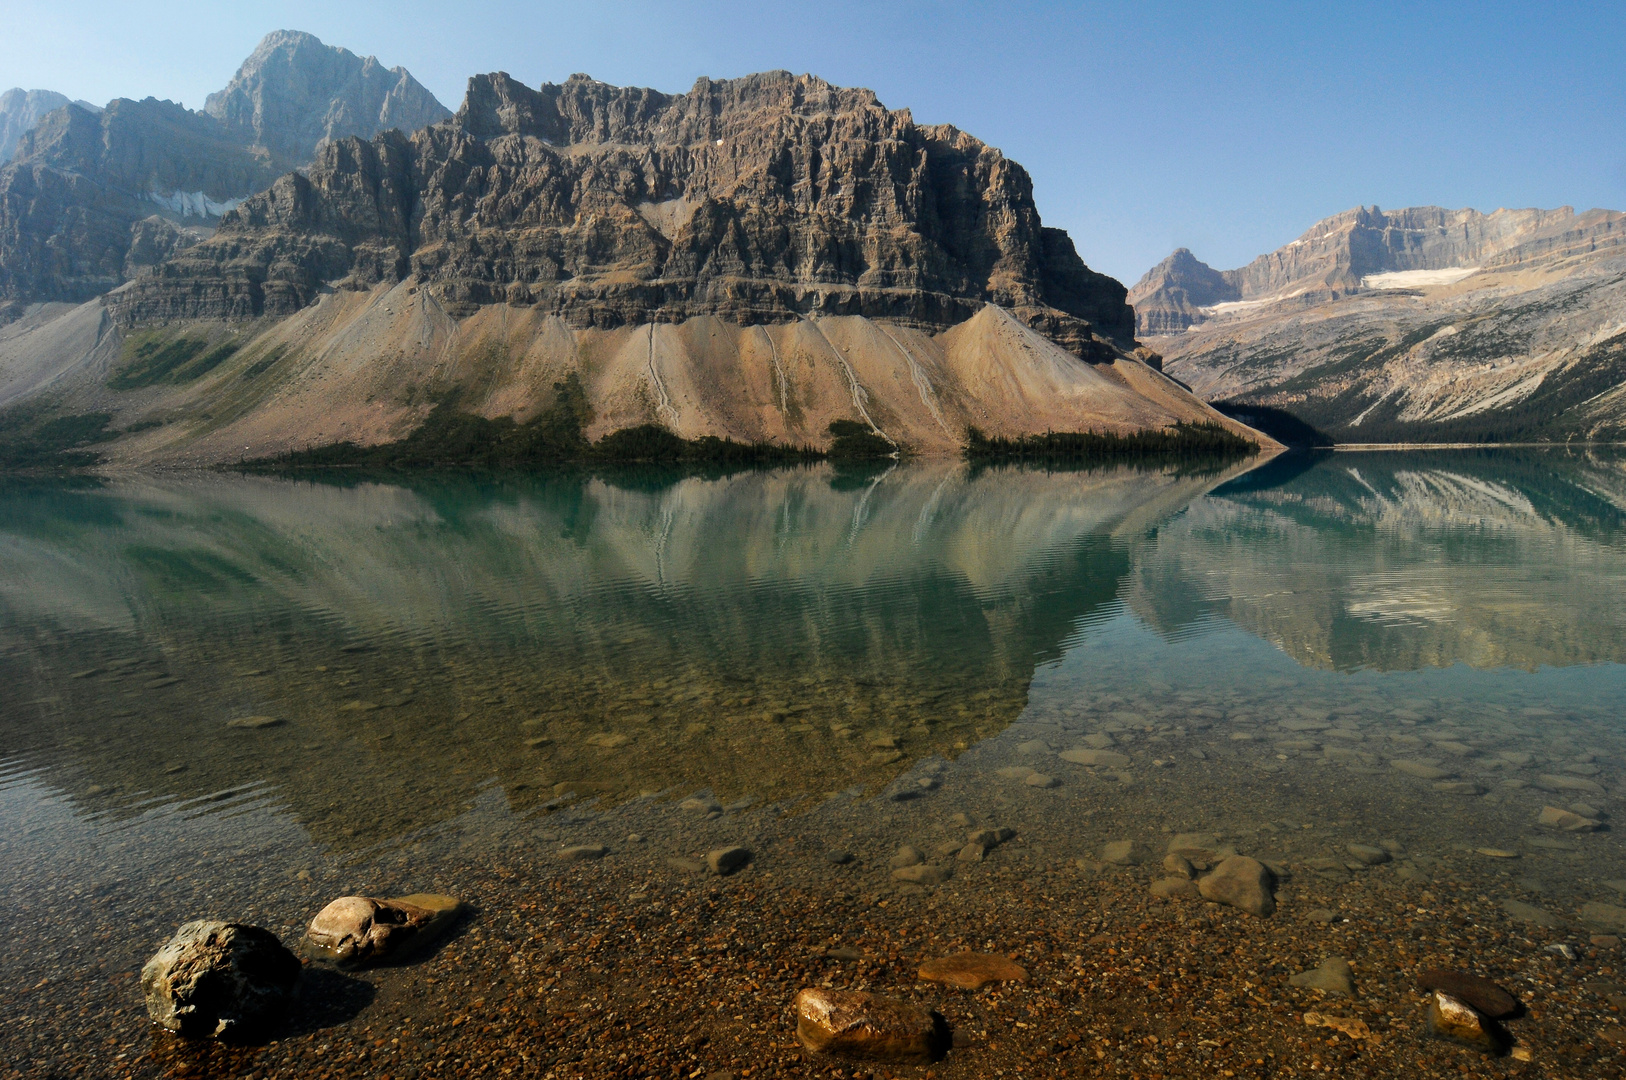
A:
(220, 980)
(1241, 882)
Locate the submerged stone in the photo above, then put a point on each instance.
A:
(366, 929)
(1551, 817)
(853, 1023)
(1334, 976)
(970, 971)
(1454, 1019)
(1243, 883)
(725, 860)
(1484, 995)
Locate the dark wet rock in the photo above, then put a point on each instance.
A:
(1482, 994)
(1334, 976)
(363, 929)
(1369, 855)
(1241, 882)
(971, 971)
(1454, 1019)
(220, 980)
(1125, 853)
(852, 1023)
(1551, 817)
(725, 860)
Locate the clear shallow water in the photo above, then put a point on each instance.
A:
(459, 671)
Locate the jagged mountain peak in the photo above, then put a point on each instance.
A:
(295, 93)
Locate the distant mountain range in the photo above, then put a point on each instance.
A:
(92, 197)
(1420, 324)
(327, 256)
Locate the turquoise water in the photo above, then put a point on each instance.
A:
(211, 684)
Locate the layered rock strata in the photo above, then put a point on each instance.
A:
(760, 199)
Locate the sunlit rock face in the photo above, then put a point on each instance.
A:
(1400, 562)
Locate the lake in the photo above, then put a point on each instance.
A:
(241, 697)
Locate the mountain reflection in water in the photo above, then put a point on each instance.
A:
(763, 634)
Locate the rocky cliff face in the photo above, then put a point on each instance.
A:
(71, 202)
(1462, 327)
(75, 198)
(757, 200)
(295, 93)
(20, 111)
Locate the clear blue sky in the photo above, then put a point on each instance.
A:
(1225, 128)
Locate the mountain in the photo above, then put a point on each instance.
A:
(754, 259)
(21, 111)
(1174, 293)
(1420, 324)
(94, 197)
(294, 93)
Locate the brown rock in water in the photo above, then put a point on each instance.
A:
(220, 980)
(857, 1024)
(1243, 883)
(1455, 1020)
(725, 860)
(971, 971)
(923, 874)
(363, 929)
(1176, 887)
(1552, 817)
(1482, 994)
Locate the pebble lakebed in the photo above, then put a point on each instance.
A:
(246, 754)
(642, 963)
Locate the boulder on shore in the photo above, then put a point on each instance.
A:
(220, 980)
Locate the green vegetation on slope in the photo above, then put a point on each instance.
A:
(29, 440)
(154, 359)
(451, 439)
(1182, 440)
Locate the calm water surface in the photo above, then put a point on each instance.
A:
(446, 671)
